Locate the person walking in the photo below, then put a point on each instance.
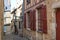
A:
(16, 30)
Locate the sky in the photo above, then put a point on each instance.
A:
(12, 4)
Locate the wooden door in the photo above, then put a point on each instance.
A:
(58, 24)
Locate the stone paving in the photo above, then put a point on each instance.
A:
(13, 37)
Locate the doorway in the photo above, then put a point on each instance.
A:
(58, 24)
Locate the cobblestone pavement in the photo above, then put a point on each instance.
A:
(13, 37)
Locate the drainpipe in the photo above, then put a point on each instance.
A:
(22, 16)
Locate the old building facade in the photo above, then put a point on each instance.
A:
(53, 8)
(35, 19)
(1, 18)
(41, 19)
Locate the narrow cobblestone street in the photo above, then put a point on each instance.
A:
(13, 37)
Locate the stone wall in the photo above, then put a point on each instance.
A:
(51, 21)
(51, 18)
(32, 35)
(1, 19)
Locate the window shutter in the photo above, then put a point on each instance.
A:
(24, 20)
(44, 18)
(34, 20)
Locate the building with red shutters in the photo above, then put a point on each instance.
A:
(35, 19)
(42, 19)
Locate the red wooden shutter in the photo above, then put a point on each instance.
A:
(31, 18)
(44, 18)
(24, 20)
(34, 20)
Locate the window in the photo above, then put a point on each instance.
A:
(28, 1)
(28, 20)
(42, 19)
(39, 20)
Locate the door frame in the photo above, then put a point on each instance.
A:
(54, 7)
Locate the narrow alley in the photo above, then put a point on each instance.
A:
(29, 19)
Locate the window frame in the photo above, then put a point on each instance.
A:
(28, 21)
(39, 29)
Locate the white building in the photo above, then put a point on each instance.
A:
(7, 16)
(7, 21)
